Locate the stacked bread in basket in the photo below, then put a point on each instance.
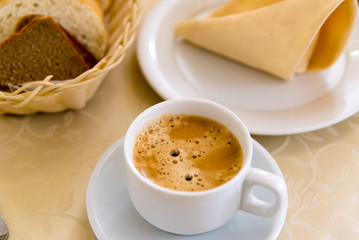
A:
(92, 36)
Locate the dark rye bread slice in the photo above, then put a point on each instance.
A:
(39, 49)
(85, 54)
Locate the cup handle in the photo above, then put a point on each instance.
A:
(251, 204)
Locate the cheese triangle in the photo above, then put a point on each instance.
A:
(280, 37)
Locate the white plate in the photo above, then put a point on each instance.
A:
(112, 215)
(267, 105)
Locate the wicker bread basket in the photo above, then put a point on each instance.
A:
(122, 18)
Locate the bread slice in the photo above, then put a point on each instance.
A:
(39, 49)
(85, 54)
(82, 19)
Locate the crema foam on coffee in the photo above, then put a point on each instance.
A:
(187, 153)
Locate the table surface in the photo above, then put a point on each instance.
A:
(46, 161)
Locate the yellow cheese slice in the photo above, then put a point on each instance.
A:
(280, 37)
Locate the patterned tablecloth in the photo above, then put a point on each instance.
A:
(46, 161)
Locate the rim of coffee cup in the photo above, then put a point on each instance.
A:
(141, 120)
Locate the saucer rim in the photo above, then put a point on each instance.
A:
(106, 158)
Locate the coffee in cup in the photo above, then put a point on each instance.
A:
(187, 152)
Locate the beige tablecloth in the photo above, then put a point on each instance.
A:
(46, 161)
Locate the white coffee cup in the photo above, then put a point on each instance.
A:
(189, 213)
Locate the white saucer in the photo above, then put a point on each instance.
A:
(112, 215)
(267, 105)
